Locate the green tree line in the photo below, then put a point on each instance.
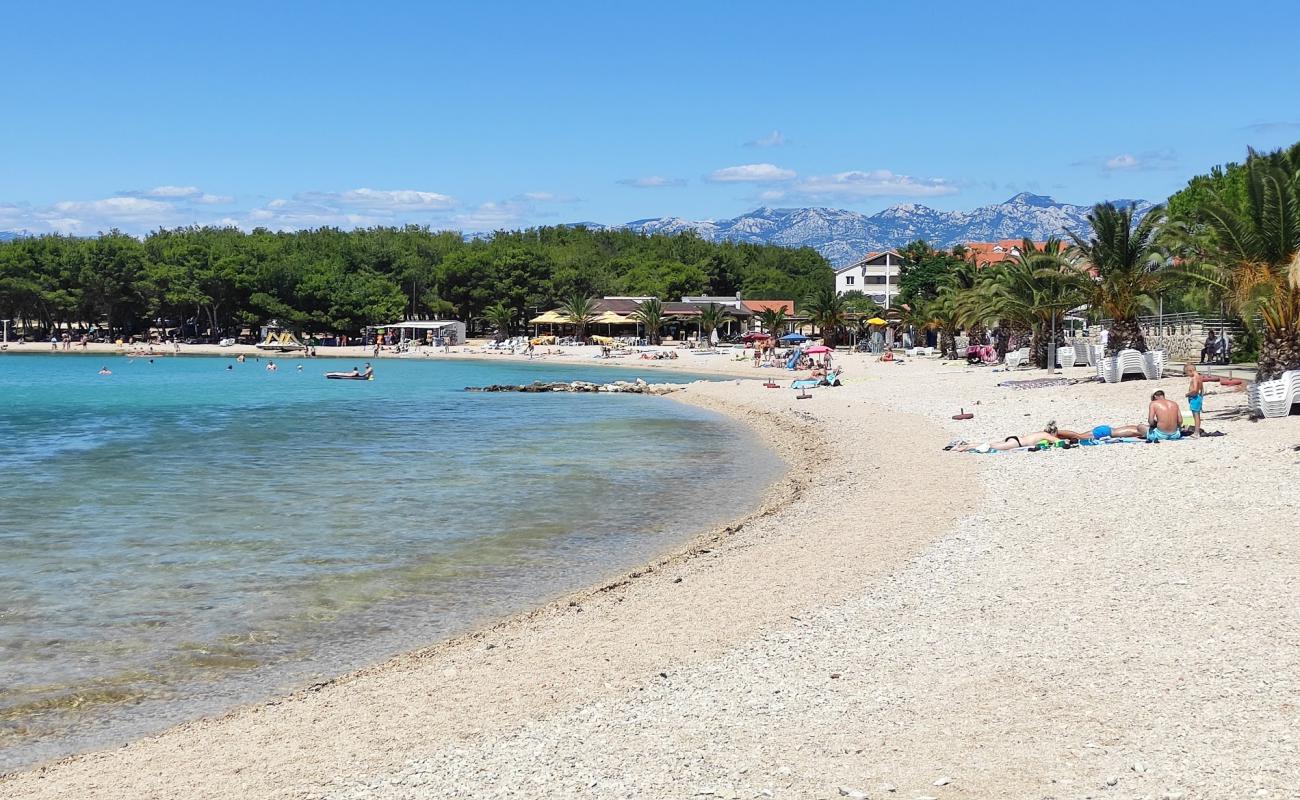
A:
(327, 280)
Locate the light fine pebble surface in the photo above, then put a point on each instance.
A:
(897, 621)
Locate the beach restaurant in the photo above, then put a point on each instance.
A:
(449, 331)
(617, 315)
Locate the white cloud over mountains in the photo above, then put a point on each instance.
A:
(856, 184)
(751, 173)
(1131, 162)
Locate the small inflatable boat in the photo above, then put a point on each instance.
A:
(348, 376)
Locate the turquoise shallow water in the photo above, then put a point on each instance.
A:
(177, 537)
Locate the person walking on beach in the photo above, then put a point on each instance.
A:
(1195, 397)
(1165, 419)
(1103, 339)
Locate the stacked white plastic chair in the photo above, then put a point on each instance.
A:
(1087, 353)
(1082, 355)
(1155, 364)
(1274, 398)
(1065, 356)
(1125, 362)
(1017, 358)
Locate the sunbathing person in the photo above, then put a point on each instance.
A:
(1166, 419)
(1100, 432)
(1011, 442)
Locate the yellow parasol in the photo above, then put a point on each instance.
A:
(549, 318)
(876, 321)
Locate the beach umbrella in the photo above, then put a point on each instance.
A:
(794, 338)
(821, 348)
(755, 335)
(876, 321)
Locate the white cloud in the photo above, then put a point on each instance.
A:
(873, 183)
(771, 195)
(1271, 127)
(545, 197)
(492, 216)
(773, 139)
(167, 192)
(1132, 162)
(381, 199)
(171, 206)
(653, 182)
(751, 173)
(90, 216)
(180, 194)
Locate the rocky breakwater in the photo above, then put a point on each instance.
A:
(638, 386)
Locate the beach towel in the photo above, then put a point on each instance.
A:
(1038, 383)
(806, 383)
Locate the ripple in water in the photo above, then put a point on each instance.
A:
(178, 538)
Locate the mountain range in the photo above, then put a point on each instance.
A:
(844, 236)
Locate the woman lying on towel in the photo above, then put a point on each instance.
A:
(1010, 443)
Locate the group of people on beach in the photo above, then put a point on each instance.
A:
(1164, 423)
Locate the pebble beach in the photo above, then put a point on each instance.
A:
(894, 621)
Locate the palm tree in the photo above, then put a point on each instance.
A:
(772, 320)
(1126, 261)
(501, 317)
(942, 314)
(1032, 290)
(712, 317)
(1253, 257)
(826, 309)
(650, 313)
(580, 310)
(962, 281)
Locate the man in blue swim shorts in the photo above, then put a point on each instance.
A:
(1166, 419)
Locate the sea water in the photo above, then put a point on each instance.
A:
(178, 537)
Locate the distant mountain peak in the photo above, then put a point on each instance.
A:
(1031, 199)
(844, 236)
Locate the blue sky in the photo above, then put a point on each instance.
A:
(486, 115)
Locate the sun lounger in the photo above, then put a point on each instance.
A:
(1275, 398)
(1018, 358)
(1065, 356)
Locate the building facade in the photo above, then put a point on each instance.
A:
(876, 275)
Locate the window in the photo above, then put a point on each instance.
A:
(848, 280)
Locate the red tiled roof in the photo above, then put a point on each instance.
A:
(993, 252)
(762, 305)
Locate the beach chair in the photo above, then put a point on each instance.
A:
(1065, 356)
(1275, 398)
(1017, 358)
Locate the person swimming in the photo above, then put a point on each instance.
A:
(105, 371)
